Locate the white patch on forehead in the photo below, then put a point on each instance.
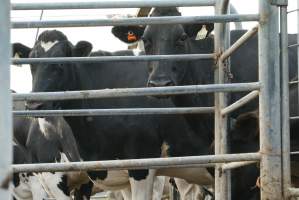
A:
(17, 55)
(202, 34)
(48, 45)
(44, 126)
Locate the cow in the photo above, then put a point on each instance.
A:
(181, 39)
(131, 137)
(48, 140)
(44, 140)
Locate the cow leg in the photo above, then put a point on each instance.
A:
(21, 187)
(142, 188)
(38, 192)
(56, 183)
(126, 193)
(189, 191)
(159, 183)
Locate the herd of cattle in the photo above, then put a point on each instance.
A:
(66, 139)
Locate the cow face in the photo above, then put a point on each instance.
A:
(48, 77)
(163, 40)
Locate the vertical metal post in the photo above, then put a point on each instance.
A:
(5, 100)
(285, 113)
(269, 103)
(298, 46)
(222, 181)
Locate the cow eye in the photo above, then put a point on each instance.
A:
(60, 67)
(174, 69)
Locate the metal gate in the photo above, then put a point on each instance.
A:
(274, 154)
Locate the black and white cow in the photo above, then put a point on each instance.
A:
(49, 140)
(179, 39)
(44, 140)
(113, 137)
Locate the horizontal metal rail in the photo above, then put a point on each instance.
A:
(239, 43)
(294, 118)
(295, 10)
(241, 102)
(114, 112)
(234, 165)
(111, 4)
(293, 45)
(134, 92)
(150, 163)
(99, 59)
(135, 21)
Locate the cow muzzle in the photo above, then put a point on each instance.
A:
(33, 105)
(160, 83)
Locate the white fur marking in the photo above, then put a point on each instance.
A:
(143, 189)
(202, 34)
(22, 191)
(37, 189)
(159, 182)
(47, 45)
(115, 180)
(136, 52)
(17, 55)
(63, 158)
(44, 125)
(51, 181)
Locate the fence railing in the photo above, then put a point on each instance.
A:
(273, 152)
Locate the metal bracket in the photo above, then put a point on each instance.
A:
(279, 2)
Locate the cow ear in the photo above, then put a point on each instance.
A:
(199, 31)
(247, 126)
(20, 51)
(128, 34)
(82, 49)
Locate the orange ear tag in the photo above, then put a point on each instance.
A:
(131, 37)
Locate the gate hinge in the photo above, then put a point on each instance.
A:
(279, 2)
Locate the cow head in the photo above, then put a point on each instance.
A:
(163, 40)
(245, 132)
(49, 77)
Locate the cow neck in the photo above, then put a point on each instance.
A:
(199, 73)
(78, 123)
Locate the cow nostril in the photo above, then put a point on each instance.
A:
(170, 83)
(151, 84)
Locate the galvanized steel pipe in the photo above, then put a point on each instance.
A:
(134, 21)
(115, 112)
(149, 163)
(5, 101)
(269, 102)
(227, 53)
(134, 92)
(111, 4)
(285, 113)
(99, 59)
(241, 102)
